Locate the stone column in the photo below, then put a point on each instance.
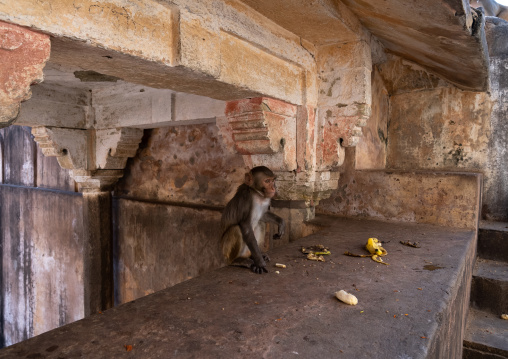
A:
(97, 252)
(344, 103)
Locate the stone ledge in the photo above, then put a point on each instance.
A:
(232, 312)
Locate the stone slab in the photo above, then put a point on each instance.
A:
(413, 308)
(489, 289)
(487, 333)
(493, 241)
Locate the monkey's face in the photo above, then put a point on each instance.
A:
(268, 185)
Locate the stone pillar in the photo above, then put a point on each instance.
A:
(23, 55)
(97, 252)
(344, 103)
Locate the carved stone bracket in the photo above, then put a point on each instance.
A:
(23, 55)
(96, 159)
(263, 130)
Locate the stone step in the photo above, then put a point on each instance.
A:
(493, 241)
(486, 336)
(489, 288)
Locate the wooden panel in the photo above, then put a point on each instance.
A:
(42, 267)
(19, 156)
(2, 156)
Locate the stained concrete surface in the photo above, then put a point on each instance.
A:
(404, 311)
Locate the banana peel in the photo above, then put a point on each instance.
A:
(315, 253)
(378, 259)
(375, 249)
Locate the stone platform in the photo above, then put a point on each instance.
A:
(413, 308)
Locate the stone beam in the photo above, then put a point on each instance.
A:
(23, 54)
(76, 105)
(222, 49)
(344, 103)
(130, 105)
(96, 159)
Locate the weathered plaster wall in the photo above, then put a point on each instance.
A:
(432, 128)
(448, 199)
(436, 126)
(183, 164)
(444, 128)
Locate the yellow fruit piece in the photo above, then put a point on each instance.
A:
(374, 247)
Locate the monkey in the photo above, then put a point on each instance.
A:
(491, 8)
(243, 221)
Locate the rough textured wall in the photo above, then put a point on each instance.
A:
(495, 199)
(371, 151)
(157, 246)
(448, 199)
(443, 128)
(183, 164)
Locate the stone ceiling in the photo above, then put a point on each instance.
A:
(439, 35)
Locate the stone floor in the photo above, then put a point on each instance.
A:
(413, 308)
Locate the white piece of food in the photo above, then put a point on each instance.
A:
(278, 265)
(504, 316)
(347, 298)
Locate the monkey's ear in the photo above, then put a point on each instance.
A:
(249, 179)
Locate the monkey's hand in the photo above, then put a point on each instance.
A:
(280, 233)
(258, 269)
